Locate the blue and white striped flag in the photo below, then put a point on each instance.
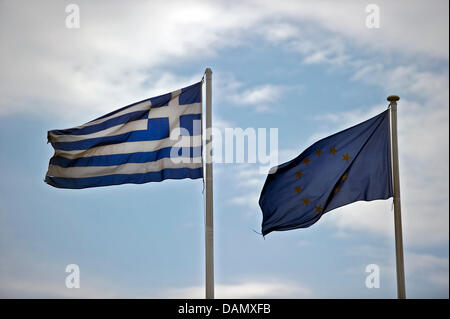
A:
(149, 141)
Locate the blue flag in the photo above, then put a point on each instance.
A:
(149, 141)
(349, 166)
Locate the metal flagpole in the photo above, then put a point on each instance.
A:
(209, 230)
(401, 293)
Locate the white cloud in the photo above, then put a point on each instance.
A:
(247, 200)
(116, 57)
(221, 124)
(260, 94)
(46, 279)
(248, 187)
(245, 290)
(424, 270)
(432, 270)
(278, 32)
(40, 289)
(118, 54)
(426, 262)
(374, 217)
(29, 275)
(401, 27)
(330, 52)
(259, 97)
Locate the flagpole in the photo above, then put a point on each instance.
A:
(209, 229)
(401, 293)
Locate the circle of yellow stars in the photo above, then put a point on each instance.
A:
(299, 174)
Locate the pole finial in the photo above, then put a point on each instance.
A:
(393, 98)
(208, 71)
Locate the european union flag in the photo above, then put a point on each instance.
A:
(349, 166)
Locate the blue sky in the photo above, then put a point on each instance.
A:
(307, 68)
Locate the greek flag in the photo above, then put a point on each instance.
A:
(148, 141)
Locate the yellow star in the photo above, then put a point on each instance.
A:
(333, 150)
(299, 174)
(336, 190)
(305, 201)
(318, 152)
(298, 189)
(319, 209)
(306, 161)
(346, 157)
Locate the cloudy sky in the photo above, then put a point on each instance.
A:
(308, 68)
